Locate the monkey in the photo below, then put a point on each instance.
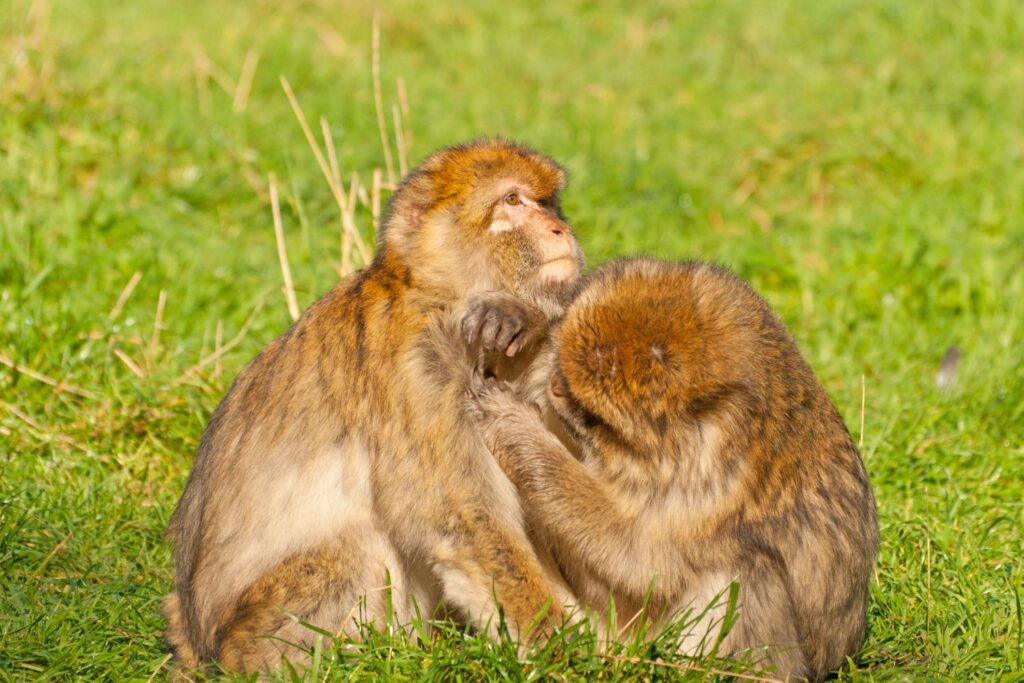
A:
(703, 450)
(341, 460)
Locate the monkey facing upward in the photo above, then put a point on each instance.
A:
(342, 453)
(707, 452)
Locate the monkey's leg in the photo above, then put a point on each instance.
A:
(447, 505)
(454, 511)
(767, 630)
(176, 639)
(333, 586)
(829, 572)
(497, 567)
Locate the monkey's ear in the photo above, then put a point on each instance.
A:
(412, 214)
(406, 210)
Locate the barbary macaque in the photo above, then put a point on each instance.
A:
(705, 452)
(342, 454)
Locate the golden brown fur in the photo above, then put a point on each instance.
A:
(342, 453)
(707, 452)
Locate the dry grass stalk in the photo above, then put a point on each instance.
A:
(691, 667)
(158, 321)
(125, 295)
(43, 431)
(403, 102)
(202, 75)
(232, 343)
(238, 90)
(629, 624)
(333, 41)
(375, 200)
(58, 386)
(286, 273)
(353, 190)
(345, 215)
(378, 100)
(863, 404)
(56, 549)
(350, 227)
(219, 76)
(335, 184)
(244, 86)
(38, 16)
(928, 579)
(332, 156)
(160, 665)
(255, 180)
(403, 97)
(218, 342)
(403, 161)
(130, 364)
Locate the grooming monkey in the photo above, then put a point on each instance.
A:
(707, 452)
(342, 454)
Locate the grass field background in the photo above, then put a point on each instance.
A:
(861, 163)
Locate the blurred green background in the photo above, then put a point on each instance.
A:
(859, 162)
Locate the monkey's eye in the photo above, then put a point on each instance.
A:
(512, 199)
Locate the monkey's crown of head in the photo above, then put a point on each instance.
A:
(458, 170)
(622, 340)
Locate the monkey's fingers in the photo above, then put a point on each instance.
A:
(511, 327)
(471, 322)
(514, 346)
(477, 374)
(473, 394)
(471, 404)
(476, 401)
(490, 330)
(523, 337)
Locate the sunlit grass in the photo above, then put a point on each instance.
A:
(860, 163)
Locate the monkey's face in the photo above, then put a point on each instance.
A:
(530, 246)
(485, 216)
(581, 423)
(593, 438)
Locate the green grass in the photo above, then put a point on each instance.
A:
(861, 163)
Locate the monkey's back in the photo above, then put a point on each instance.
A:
(654, 347)
(276, 473)
(812, 502)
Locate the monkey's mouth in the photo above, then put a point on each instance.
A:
(563, 257)
(560, 267)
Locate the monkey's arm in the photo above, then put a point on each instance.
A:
(447, 502)
(582, 513)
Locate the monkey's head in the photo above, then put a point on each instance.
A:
(485, 216)
(647, 348)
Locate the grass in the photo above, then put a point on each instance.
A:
(861, 163)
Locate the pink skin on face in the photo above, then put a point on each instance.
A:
(554, 239)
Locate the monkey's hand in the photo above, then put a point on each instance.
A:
(501, 322)
(503, 420)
